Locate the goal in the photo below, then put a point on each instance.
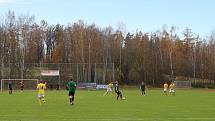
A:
(28, 83)
(183, 84)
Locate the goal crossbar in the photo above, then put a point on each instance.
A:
(16, 80)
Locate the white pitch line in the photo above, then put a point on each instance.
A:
(126, 119)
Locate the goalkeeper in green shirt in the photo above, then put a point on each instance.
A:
(71, 87)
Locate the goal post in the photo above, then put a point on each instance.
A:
(15, 82)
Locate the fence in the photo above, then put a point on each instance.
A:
(97, 73)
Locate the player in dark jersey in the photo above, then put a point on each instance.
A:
(10, 87)
(71, 87)
(143, 88)
(21, 84)
(117, 91)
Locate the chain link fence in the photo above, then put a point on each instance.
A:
(98, 73)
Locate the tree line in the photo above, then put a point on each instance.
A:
(139, 56)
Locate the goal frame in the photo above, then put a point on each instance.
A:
(2, 81)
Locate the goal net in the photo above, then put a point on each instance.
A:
(183, 84)
(28, 83)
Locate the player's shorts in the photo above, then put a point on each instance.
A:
(165, 90)
(10, 88)
(171, 90)
(143, 90)
(72, 94)
(21, 87)
(109, 90)
(41, 95)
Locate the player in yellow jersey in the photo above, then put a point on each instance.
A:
(165, 88)
(171, 89)
(41, 92)
(109, 89)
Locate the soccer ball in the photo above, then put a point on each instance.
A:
(123, 98)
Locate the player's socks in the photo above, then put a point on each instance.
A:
(72, 103)
(117, 96)
(70, 100)
(73, 99)
(40, 102)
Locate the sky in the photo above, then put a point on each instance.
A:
(144, 15)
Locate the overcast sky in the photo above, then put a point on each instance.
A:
(145, 15)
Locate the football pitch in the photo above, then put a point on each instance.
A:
(187, 105)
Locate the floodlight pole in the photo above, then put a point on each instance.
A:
(118, 35)
(95, 74)
(89, 66)
(193, 45)
(194, 63)
(120, 58)
(170, 56)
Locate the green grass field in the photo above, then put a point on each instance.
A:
(187, 105)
